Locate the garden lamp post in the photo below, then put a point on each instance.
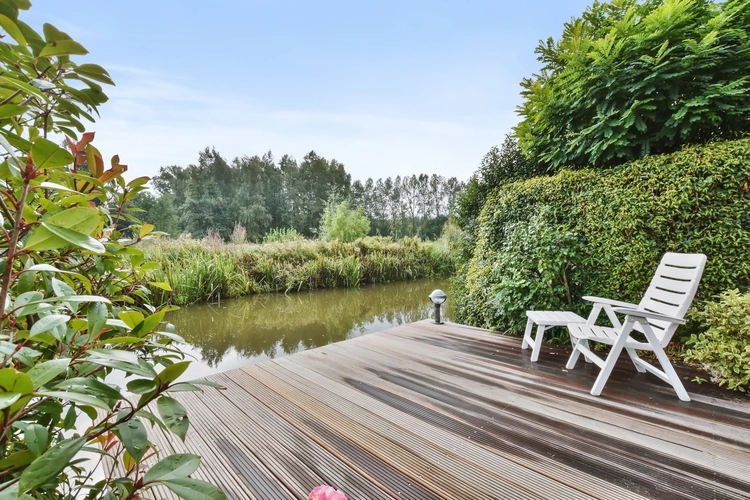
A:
(438, 297)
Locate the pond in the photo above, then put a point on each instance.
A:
(239, 332)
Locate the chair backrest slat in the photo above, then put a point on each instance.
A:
(672, 290)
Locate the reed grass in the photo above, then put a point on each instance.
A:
(202, 271)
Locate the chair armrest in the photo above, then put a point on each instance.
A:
(610, 302)
(648, 315)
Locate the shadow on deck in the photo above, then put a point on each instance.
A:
(425, 411)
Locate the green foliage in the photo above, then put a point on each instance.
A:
(261, 194)
(256, 192)
(504, 164)
(499, 166)
(281, 235)
(629, 79)
(341, 223)
(199, 272)
(536, 264)
(75, 294)
(724, 349)
(612, 226)
(159, 211)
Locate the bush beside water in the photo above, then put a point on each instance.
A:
(545, 242)
(205, 271)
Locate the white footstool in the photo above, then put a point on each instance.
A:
(545, 320)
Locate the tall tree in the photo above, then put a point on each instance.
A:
(628, 79)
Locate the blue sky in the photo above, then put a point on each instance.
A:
(387, 88)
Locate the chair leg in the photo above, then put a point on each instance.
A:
(527, 334)
(633, 357)
(573, 356)
(611, 361)
(538, 342)
(669, 371)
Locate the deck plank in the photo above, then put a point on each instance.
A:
(424, 411)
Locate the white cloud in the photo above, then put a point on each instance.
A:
(151, 122)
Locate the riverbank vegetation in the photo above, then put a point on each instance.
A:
(578, 203)
(210, 270)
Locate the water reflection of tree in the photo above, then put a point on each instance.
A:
(267, 324)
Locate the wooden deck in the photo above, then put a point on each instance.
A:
(424, 411)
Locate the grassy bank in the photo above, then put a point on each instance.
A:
(201, 271)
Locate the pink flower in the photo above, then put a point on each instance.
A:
(326, 493)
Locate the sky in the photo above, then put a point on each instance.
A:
(387, 88)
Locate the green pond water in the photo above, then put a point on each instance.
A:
(243, 331)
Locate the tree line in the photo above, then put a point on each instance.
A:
(262, 194)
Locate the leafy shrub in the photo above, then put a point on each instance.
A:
(536, 264)
(282, 234)
(724, 349)
(630, 78)
(344, 224)
(75, 294)
(624, 219)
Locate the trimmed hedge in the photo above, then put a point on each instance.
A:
(545, 242)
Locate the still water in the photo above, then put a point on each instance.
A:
(243, 331)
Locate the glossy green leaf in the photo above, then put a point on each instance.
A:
(25, 282)
(95, 72)
(184, 387)
(15, 460)
(89, 386)
(173, 467)
(47, 154)
(145, 230)
(8, 398)
(61, 288)
(174, 415)
(130, 318)
(23, 87)
(84, 220)
(173, 372)
(58, 187)
(63, 48)
(50, 237)
(48, 323)
(11, 28)
(97, 317)
(159, 284)
(194, 489)
(50, 464)
(130, 368)
(12, 110)
(76, 398)
(134, 436)
(45, 372)
(141, 386)
(13, 382)
(36, 438)
(148, 324)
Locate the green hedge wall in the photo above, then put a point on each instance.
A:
(545, 242)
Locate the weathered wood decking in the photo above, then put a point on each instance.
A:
(424, 411)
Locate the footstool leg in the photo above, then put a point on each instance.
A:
(537, 343)
(527, 334)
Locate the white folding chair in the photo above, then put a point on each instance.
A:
(658, 315)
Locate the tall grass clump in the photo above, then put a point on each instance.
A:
(207, 271)
(281, 234)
